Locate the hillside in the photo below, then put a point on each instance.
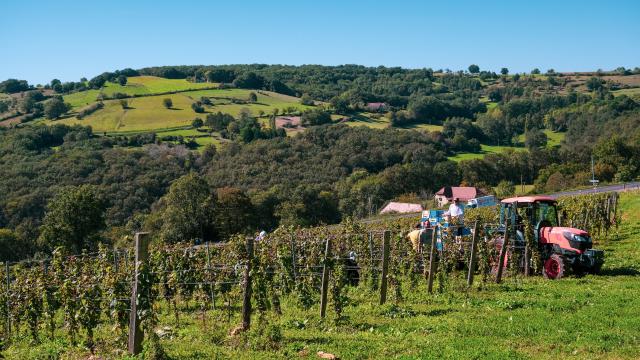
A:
(372, 135)
(459, 94)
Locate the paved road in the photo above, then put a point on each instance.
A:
(599, 189)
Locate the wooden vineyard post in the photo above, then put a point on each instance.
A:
(8, 284)
(386, 244)
(209, 276)
(135, 331)
(246, 293)
(472, 259)
(115, 260)
(374, 272)
(503, 253)
(615, 209)
(293, 261)
(325, 279)
(526, 258)
(432, 260)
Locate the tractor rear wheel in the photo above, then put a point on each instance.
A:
(553, 267)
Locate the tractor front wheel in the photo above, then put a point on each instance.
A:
(553, 267)
(595, 270)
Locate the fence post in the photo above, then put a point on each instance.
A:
(386, 244)
(615, 208)
(526, 257)
(325, 279)
(374, 271)
(472, 260)
(135, 331)
(209, 276)
(246, 299)
(503, 253)
(115, 260)
(293, 261)
(8, 285)
(432, 260)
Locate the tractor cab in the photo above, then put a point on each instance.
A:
(560, 247)
(539, 211)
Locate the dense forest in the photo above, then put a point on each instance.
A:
(67, 186)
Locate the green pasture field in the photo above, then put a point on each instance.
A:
(632, 92)
(188, 132)
(484, 150)
(553, 138)
(577, 317)
(366, 119)
(148, 113)
(201, 138)
(82, 98)
(137, 85)
(490, 104)
(427, 127)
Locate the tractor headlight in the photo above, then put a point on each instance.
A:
(580, 242)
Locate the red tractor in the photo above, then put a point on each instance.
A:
(560, 248)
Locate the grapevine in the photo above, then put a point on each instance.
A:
(287, 262)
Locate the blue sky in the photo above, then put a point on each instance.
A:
(42, 40)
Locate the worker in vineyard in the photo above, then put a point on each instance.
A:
(455, 216)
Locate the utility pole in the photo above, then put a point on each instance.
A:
(593, 180)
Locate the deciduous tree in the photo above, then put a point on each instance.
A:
(55, 107)
(74, 219)
(188, 212)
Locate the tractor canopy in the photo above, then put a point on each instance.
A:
(540, 210)
(523, 200)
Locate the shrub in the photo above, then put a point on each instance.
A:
(55, 107)
(197, 107)
(119, 95)
(505, 189)
(306, 100)
(88, 110)
(197, 123)
(315, 117)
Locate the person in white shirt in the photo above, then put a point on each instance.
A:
(456, 215)
(261, 236)
(455, 210)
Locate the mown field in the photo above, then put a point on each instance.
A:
(589, 317)
(137, 85)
